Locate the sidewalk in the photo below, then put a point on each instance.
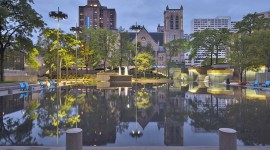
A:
(133, 148)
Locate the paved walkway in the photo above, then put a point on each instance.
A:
(132, 148)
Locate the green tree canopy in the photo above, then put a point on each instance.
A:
(173, 48)
(17, 19)
(143, 61)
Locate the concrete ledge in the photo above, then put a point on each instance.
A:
(134, 148)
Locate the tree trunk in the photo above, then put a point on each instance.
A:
(50, 72)
(241, 76)
(67, 72)
(211, 57)
(59, 69)
(217, 57)
(104, 65)
(2, 52)
(245, 75)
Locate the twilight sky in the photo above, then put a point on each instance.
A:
(150, 12)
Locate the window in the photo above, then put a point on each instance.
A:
(171, 22)
(177, 22)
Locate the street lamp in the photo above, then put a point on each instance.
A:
(58, 15)
(76, 30)
(136, 28)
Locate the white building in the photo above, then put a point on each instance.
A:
(198, 25)
(266, 14)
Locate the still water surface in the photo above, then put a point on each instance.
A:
(177, 114)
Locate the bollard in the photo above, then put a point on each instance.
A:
(74, 139)
(227, 139)
(10, 91)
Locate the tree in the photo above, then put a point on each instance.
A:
(45, 45)
(221, 40)
(173, 48)
(240, 54)
(212, 41)
(203, 40)
(70, 44)
(90, 57)
(143, 61)
(101, 45)
(252, 22)
(143, 99)
(106, 45)
(31, 61)
(125, 48)
(17, 19)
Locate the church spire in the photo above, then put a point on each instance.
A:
(167, 7)
(181, 8)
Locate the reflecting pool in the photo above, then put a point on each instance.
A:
(172, 114)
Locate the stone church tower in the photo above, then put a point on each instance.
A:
(173, 24)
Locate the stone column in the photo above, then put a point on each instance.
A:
(227, 139)
(119, 71)
(74, 139)
(126, 70)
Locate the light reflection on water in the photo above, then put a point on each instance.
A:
(177, 114)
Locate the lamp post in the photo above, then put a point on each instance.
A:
(136, 28)
(76, 30)
(58, 15)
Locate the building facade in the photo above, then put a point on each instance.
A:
(173, 29)
(153, 39)
(95, 15)
(198, 25)
(266, 14)
(173, 24)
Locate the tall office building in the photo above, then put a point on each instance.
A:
(266, 14)
(198, 25)
(94, 15)
(173, 24)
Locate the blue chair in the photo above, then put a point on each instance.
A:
(22, 86)
(26, 86)
(52, 89)
(52, 82)
(21, 96)
(266, 84)
(41, 84)
(256, 83)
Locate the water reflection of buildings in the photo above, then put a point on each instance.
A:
(171, 102)
(104, 113)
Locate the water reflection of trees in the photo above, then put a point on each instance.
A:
(18, 131)
(57, 113)
(250, 118)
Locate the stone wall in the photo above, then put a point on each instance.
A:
(120, 78)
(27, 78)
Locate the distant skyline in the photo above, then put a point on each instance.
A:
(150, 12)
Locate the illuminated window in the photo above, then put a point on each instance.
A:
(143, 38)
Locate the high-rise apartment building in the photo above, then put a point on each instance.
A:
(94, 15)
(198, 25)
(266, 14)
